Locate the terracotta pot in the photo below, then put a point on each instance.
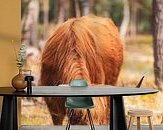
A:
(18, 82)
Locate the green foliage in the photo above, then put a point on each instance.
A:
(112, 9)
(105, 8)
(145, 20)
(116, 12)
(24, 5)
(53, 10)
(21, 56)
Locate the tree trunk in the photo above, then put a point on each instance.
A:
(29, 23)
(84, 7)
(79, 8)
(158, 42)
(63, 10)
(46, 18)
(91, 5)
(133, 18)
(74, 9)
(126, 18)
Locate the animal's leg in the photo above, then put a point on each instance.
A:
(57, 109)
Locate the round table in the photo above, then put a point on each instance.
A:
(117, 115)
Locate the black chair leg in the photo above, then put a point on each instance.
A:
(70, 118)
(90, 119)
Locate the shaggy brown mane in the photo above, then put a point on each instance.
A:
(82, 48)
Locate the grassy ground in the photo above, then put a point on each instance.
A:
(138, 60)
(35, 112)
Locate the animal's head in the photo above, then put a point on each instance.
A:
(81, 48)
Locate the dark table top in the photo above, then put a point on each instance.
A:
(65, 91)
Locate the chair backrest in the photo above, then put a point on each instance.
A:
(140, 82)
(78, 83)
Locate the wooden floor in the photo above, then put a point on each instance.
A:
(80, 127)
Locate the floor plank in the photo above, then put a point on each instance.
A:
(82, 127)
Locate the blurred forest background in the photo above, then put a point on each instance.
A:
(134, 21)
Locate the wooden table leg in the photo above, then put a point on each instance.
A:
(117, 114)
(9, 113)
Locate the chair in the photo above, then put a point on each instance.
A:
(79, 103)
(140, 113)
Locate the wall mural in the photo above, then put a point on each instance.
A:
(83, 47)
(80, 39)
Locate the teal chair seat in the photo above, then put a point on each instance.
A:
(79, 102)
